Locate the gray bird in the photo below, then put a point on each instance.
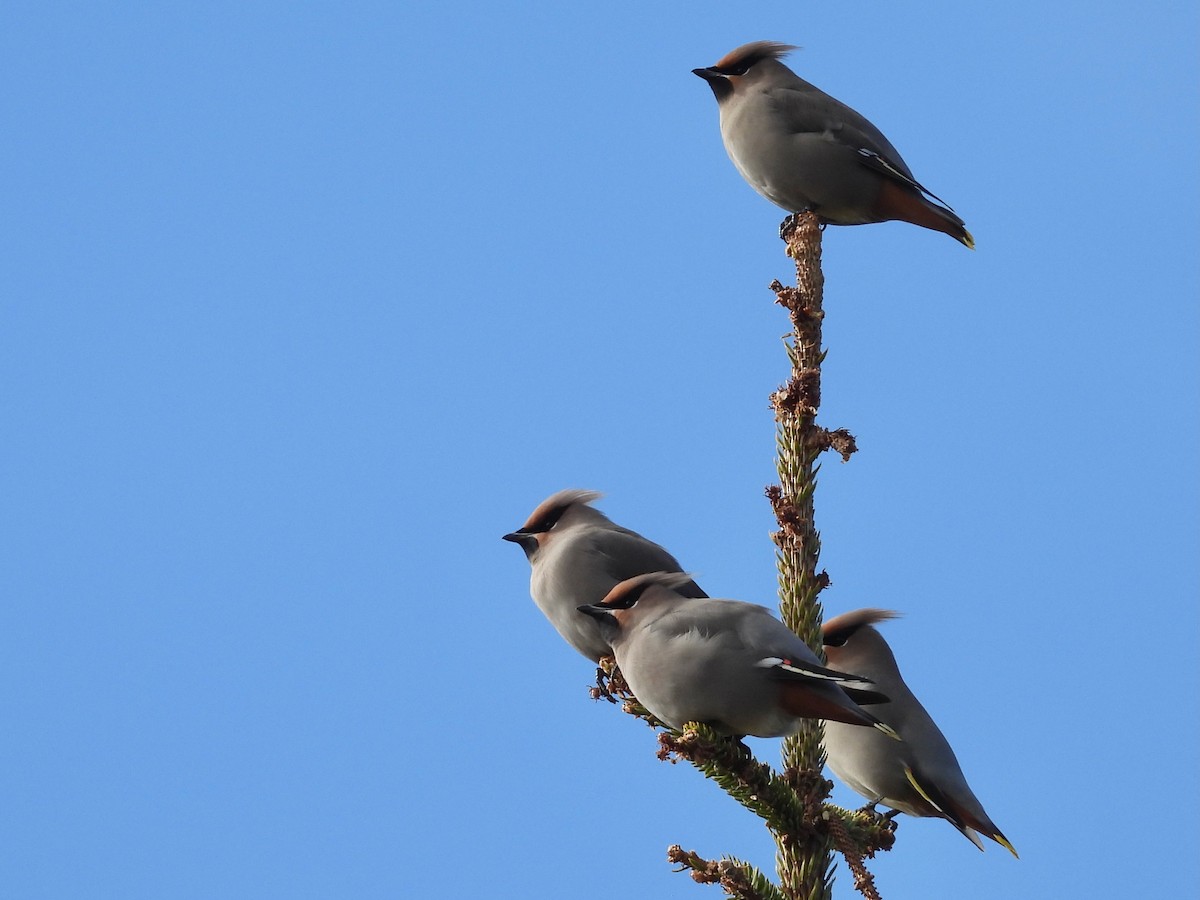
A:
(577, 554)
(804, 150)
(919, 775)
(728, 664)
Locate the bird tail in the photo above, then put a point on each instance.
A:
(827, 701)
(1003, 842)
(902, 197)
(899, 201)
(959, 816)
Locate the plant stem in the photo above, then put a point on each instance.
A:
(804, 861)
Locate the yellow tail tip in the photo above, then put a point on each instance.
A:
(1003, 842)
(968, 240)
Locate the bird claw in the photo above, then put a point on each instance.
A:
(786, 226)
(603, 688)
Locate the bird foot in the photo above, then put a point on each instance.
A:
(738, 740)
(786, 226)
(604, 687)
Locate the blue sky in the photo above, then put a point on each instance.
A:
(302, 306)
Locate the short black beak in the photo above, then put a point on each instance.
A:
(596, 612)
(527, 541)
(721, 86)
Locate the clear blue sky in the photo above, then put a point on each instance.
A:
(302, 306)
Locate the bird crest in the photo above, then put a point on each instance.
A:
(626, 593)
(550, 510)
(743, 57)
(839, 629)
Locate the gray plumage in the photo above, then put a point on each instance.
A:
(805, 150)
(577, 554)
(919, 775)
(725, 663)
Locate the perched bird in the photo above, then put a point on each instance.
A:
(577, 554)
(804, 150)
(728, 664)
(920, 774)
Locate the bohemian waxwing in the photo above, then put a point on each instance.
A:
(728, 664)
(920, 774)
(577, 554)
(804, 150)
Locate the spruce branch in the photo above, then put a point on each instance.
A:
(853, 852)
(753, 784)
(793, 803)
(738, 878)
(804, 863)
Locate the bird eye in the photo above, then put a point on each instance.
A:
(548, 521)
(739, 69)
